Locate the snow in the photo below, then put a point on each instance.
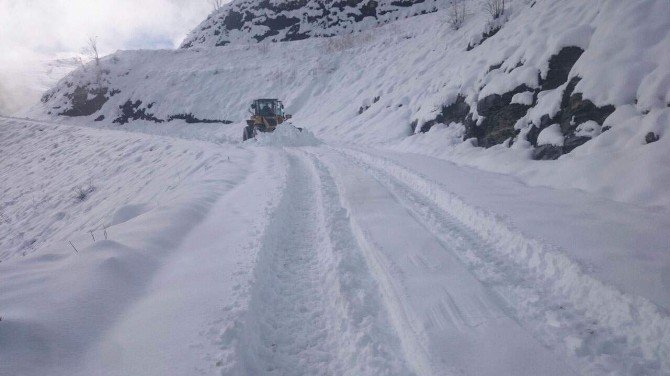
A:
(588, 129)
(525, 98)
(286, 135)
(398, 74)
(357, 245)
(551, 135)
(384, 263)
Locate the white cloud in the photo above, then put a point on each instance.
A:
(35, 31)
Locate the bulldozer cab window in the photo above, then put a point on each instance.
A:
(265, 108)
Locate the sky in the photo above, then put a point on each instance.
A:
(35, 32)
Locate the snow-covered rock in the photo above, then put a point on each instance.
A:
(551, 135)
(251, 21)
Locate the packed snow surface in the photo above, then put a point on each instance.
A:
(200, 257)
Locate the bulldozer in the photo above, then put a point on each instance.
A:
(266, 115)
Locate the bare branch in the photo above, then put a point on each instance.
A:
(495, 8)
(456, 15)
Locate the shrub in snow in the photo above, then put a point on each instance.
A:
(82, 192)
(495, 8)
(457, 10)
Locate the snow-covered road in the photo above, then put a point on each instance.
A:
(319, 260)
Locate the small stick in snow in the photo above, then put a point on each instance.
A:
(92, 235)
(104, 229)
(73, 247)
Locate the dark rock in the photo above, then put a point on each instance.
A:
(500, 126)
(369, 9)
(495, 102)
(571, 141)
(189, 118)
(453, 113)
(233, 20)
(575, 110)
(495, 66)
(406, 3)
(413, 125)
(81, 105)
(605, 129)
(290, 20)
(547, 152)
(132, 111)
(560, 66)
(500, 116)
(100, 118)
(651, 137)
(279, 23)
(486, 35)
(532, 134)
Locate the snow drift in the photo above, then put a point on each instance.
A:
(287, 135)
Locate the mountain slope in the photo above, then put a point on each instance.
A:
(550, 79)
(249, 21)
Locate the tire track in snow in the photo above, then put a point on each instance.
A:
(314, 308)
(596, 340)
(450, 323)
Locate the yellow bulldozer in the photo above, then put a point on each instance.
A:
(266, 115)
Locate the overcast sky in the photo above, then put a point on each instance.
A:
(32, 31)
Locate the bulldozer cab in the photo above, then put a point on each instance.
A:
(267, 107)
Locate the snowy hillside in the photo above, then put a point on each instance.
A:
(573, 78)
(25, 85)
(250, 21)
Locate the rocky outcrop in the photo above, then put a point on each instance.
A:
(133, 111)
(457, 112)
(500, 115)
(190, 118)
(256, 21)
(574, 110)
(560, 66)
(85, 101)
(651, 137)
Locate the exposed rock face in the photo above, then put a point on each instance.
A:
(560, 66)
(456, 112)
(500, 116)
(190, 118)
(82, 105)
(547, 152)
(133, 111)
(247, 21)
(651, 137)
(574, 111)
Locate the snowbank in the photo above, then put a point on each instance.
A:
(286, 135)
